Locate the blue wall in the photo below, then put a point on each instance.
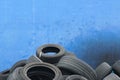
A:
(89, 28)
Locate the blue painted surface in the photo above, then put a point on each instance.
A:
(89, 28)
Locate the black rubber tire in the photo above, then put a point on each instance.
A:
(112, 76)
(33, 59)
(103, 70)
(64, 77)
(43, 50)
(116, 67)
(75, 77)
(77, 67)
(66, 71)
(20, 63)
(40, 71)
(4, 74)
(67, 53)
(15, 75)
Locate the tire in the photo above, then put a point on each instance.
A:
(77, 67)
(69, 54)
(64, 77)
(66, 71)
(33, 59)
(116, 67)
(43, 50)
(4, 74)
(112, 76)
(20, 63)
(40, 71)
(75, 77)
(103, 70)
(15, 75)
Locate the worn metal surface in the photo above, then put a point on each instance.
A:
(89, 28)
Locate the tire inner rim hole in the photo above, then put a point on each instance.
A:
(51, 50)
(40, 73)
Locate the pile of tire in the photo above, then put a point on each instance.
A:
(53, 62)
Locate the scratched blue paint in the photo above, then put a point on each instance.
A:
(89, 28)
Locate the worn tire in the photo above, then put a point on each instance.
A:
(43, 50)
(103, 70)
(40, 71)
(77, 67)
(65, 71)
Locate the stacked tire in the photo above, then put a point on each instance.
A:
(53, 62)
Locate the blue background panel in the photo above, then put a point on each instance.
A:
(89, 28)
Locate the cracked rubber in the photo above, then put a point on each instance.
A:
(43, 50)
(40, 71)
(116, 67)
(4, 74)
(103, 70)
(75, 77)
(77, 66)
(112, 76)
(20, 63)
